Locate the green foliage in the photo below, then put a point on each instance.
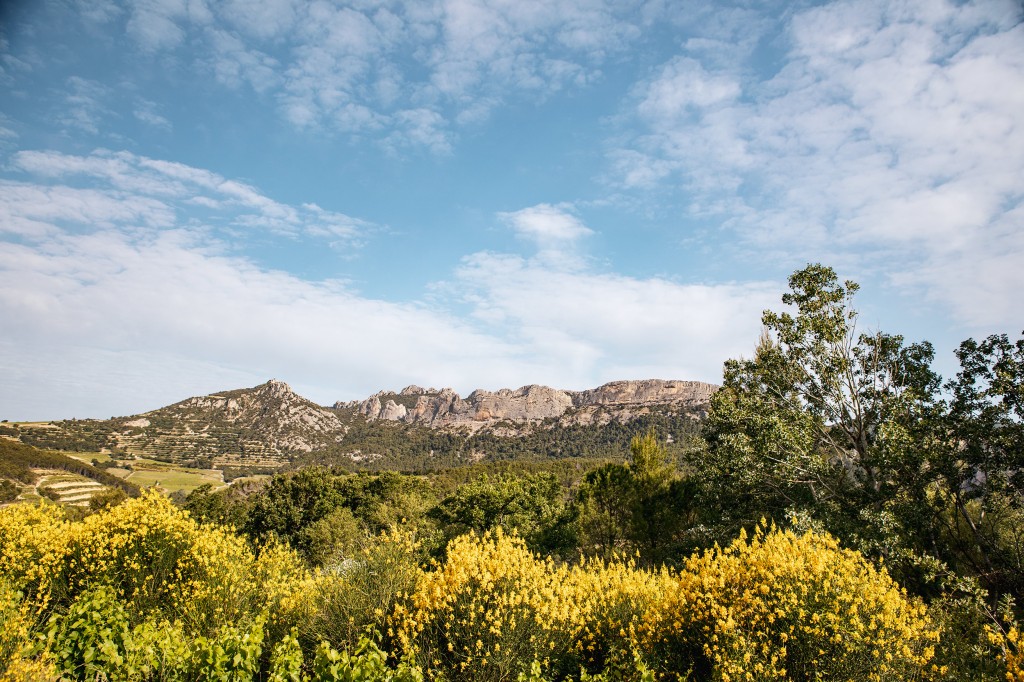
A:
(822, 416)
(359, 594)
(9, 490)
(825, 420)
(331, 540)
(533, 505)
(286, 660)
(302, 508)
(233, 655)
(829, 428)
(72, 435)
(644, 506)
(18, 459)
(93, 637)
(225, 507)
(984, 469)
(416, 448)
(367, 663)
(604, 499)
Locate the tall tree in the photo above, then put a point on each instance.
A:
(984, 466)
(823, 418)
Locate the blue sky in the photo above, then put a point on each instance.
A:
(200, 195)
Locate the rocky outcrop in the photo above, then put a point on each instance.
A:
(645, 392)
(263, 425)
(444, 407)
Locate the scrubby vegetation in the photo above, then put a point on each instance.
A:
(143, 591)
(844, 515)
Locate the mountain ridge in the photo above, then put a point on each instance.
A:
(270, 426)
(481, 408)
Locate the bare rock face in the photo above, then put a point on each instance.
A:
(444, 408)
(392, 411)
(644, 392)
(528, 403)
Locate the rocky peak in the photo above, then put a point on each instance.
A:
(277, 389)
(533, 403)
(646, 392)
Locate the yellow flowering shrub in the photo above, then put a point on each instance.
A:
(340, 604)
(608, 603)
(17, 624)
(156, 557)
(490, 607)
(33, 543)
(788, 606)
(779, 606)
(1011, 644)
(152, 554)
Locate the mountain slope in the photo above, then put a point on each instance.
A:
(269, 426)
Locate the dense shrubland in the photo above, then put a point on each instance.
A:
(847, 515)
(143, 591)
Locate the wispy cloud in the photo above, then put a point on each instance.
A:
(146, 111)
(349, 69)
(891, 130)
(592, 326)
(83, 108)
(113, 184)
(554, 230)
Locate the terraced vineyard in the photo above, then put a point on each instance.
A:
(65, 488)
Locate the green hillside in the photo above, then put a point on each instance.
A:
(18, 462)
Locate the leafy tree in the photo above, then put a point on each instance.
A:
(530, 505)
(643, 504)
(983, 468)
(823, 419)
(661, 500)
(9, 490)
(605, 512)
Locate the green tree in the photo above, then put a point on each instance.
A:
(983, 469)
(642, 505)
(532, 505)
(823, 419)
(605, 511)
(660, 502)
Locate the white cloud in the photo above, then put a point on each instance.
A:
(146, 111)
(554, 230)
(131, 304)
(545, 223)
(154, 24)
(35, 212)
(83, 108)
(683, 86)
(891, 130)
(130, 187)
(349, 68)
(112, 306)
(115, 288)
(592, 327)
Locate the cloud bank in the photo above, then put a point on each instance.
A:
(100, 272)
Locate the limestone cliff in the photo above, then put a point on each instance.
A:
(615, 400)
